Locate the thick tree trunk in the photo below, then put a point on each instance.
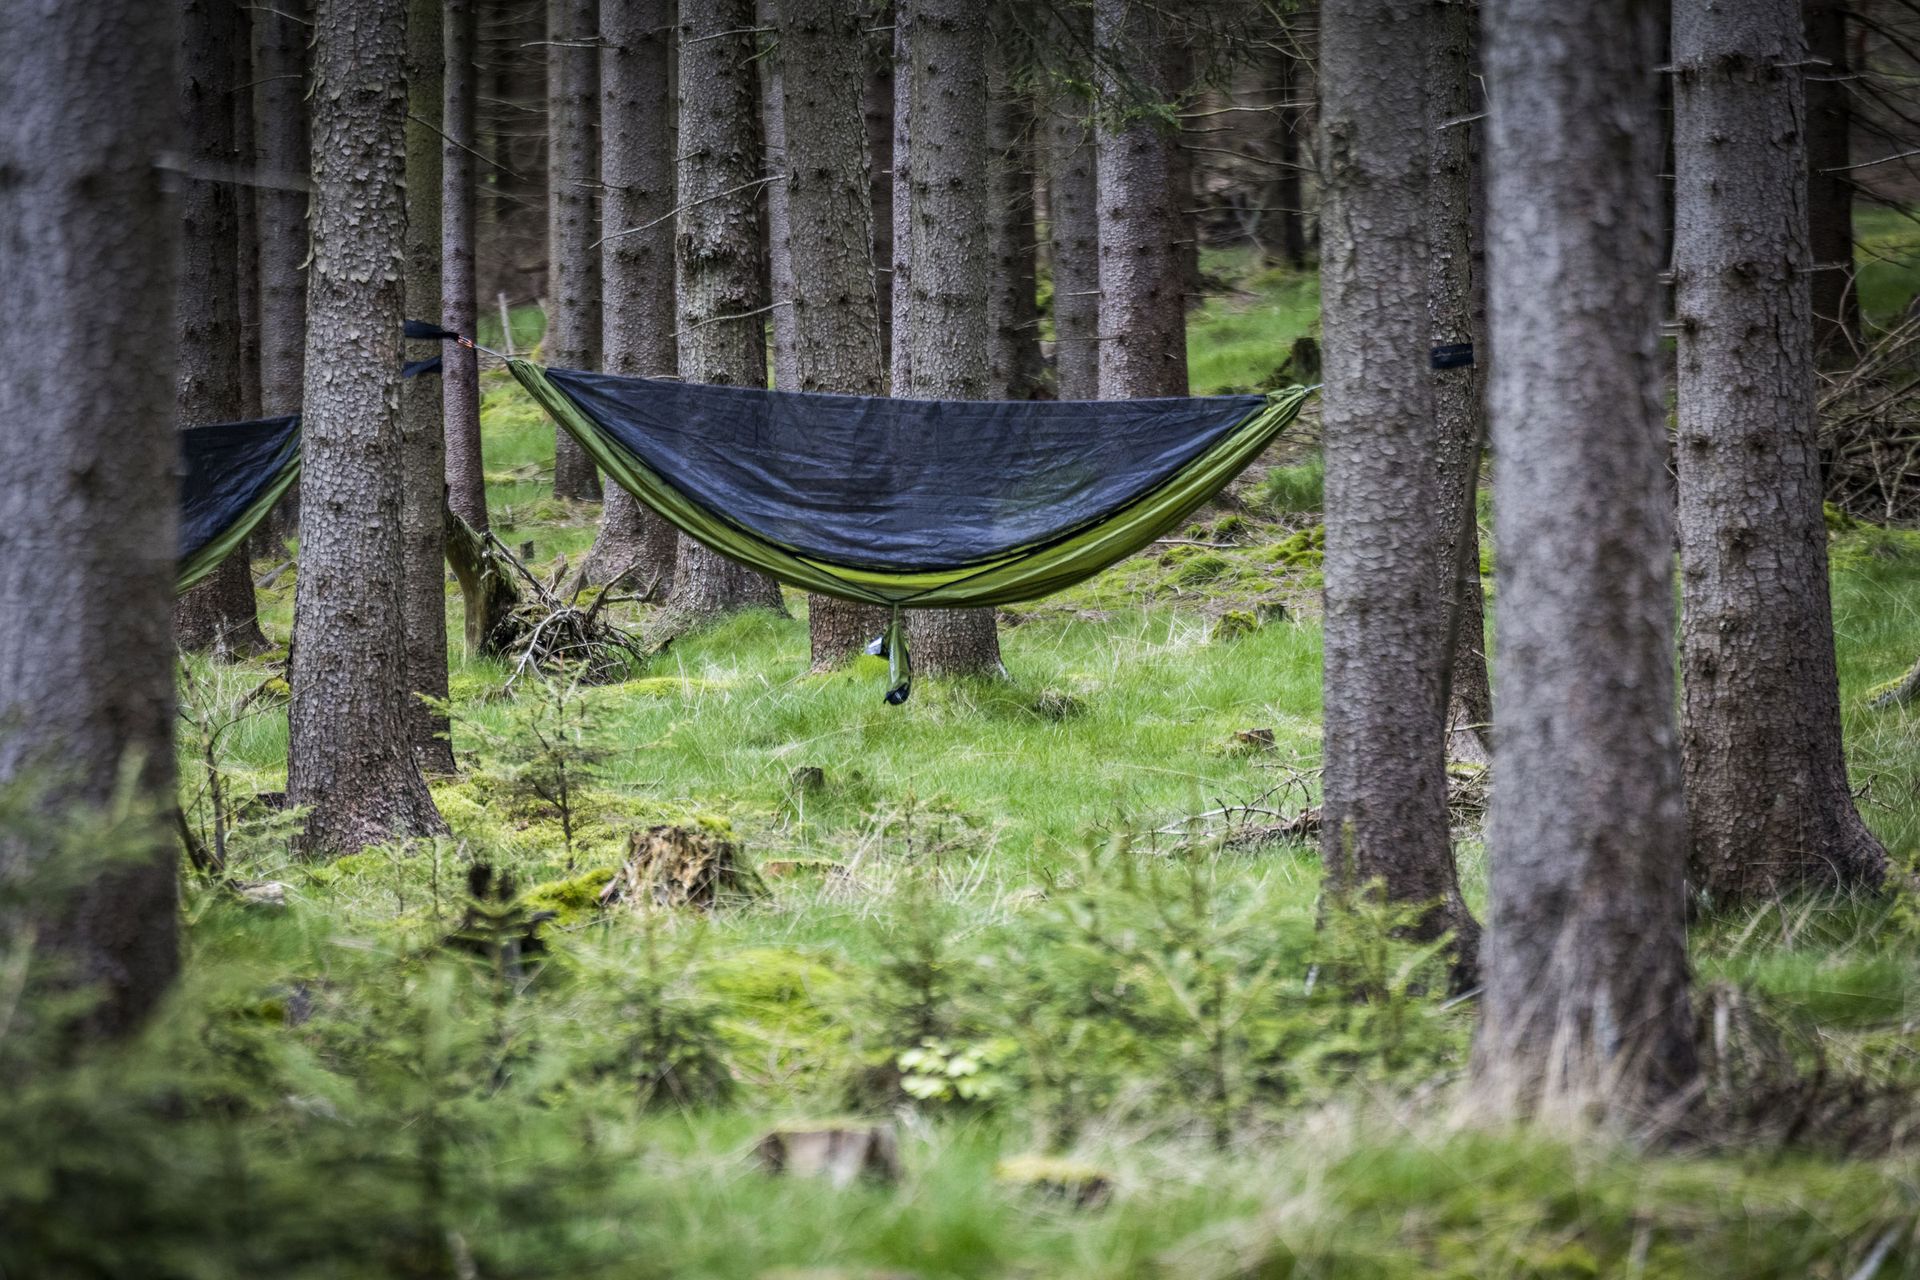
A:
(1073, 231)
(1013, 312)
(1768, 810)
(836, 314)
(86, 684)
(1585, 953)
(636, 165)
(350, 751)
(281, 33)
(460, 303)
(423, 441)
(773, 136)
(899, 355)
(573, 176)
(722, 337)
(1836, 304)
(879, 122)
(1385, 805)
(1143, 286)
(1285, 195)
(948, 328)
(218, 615)
(1459, 403)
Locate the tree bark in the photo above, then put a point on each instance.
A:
(773, 134)
(948, 328)
(829, 276)
(1384, 777)
(1768, 809)
(1584, 961)
(879, 122)
(636, 164)
(218, 615)
(1459, 403)
(1073, 228)
(1835, 302)
(281, 33)
(1285, 196)
(1013, 308)
(350, 751)
(460, 303)
(722, 304)
(423, 443)
(573, 258)
(86, 681)
(899, 355)
(1143, 286)
(246, 219)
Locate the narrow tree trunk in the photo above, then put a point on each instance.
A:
(636, 164)
(281, 34)
(899, 357)
(1073, 231)
(835, 311)
(722, 306)
(1458, 397)
(423, 444)
(879, 122)
(1836, 304)
(460, 303)
(246, 218)
(86, 686)
(350, 751)
(1768, 810)
(1285, 196)
(1585, 954)
(1013, 309)
(218, 615)
(948, 330)
(573, 258)
(1143, 288)
(773, 135)
(1384, 776)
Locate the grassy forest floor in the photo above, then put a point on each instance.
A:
(1037, 923)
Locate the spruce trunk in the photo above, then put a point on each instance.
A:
(573, 256)
(460, 303)
(281, 34)
(1829, 91)
(1073, 230)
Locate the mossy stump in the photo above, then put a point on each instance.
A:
(839, 1153)
(668, 866)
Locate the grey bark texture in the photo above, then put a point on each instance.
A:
(1836, 303)
(899, 354)
(1286, 196)
(1143, 285)
(247, 218)
(1459, 402)
(948, 329)
(423, 441)
(773, 137)
(636, 265)
(1384, 777)
(218, 615)
(1073, 236)
(281, 34)
(717, 256)
(573, 229)
(1768, 809)
(1584, 960)
(832, 303)
(879, 121)
(1013, 312)
(350, 747)
(86, 669)
(460, 303)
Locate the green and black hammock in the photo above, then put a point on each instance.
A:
(909, 503)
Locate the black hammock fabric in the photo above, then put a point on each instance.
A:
(225, 469)
(902, 486)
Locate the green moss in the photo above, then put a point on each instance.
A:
(1201, 569)
(573, 899)
(1234, 624)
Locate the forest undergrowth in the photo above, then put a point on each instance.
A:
(1044, 929)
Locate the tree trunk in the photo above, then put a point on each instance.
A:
(636, 165)
(1584, 960)
(460, 303)
(350, 748)
(423, 443)
(246, 218)
(1458, 397)
(86, 686)
(722, 339)
(281, 32)
(836, 314)
(773, 134)
(948, 330)
(1768, 810)
(1073, 231)
(1285, 197)
(1836, 305)
(1012, 308)
(879, 122)
(218, 615)
(1143, 318)
(899, 356)
(573, 258)
(1384, 777)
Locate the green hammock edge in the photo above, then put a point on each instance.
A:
(197, 566)
(1025, 574)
